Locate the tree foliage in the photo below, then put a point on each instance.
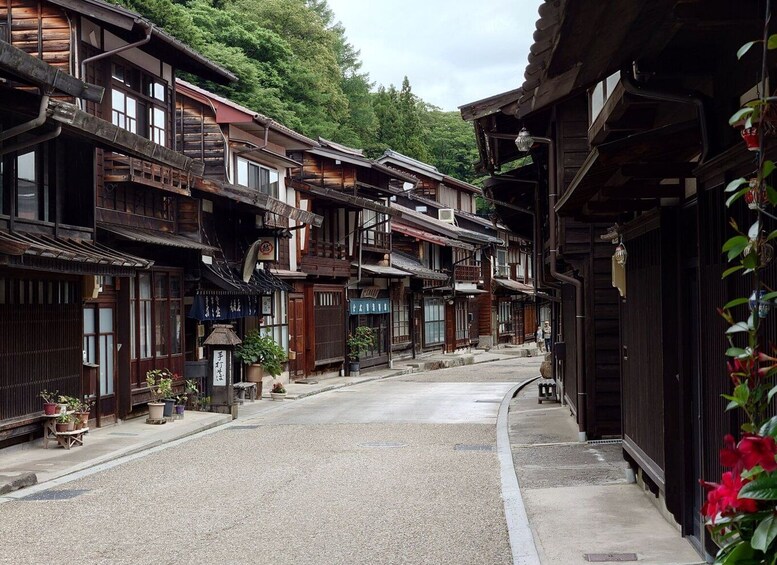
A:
(294, 63)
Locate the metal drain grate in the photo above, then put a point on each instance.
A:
(245, 427)
(472, 447)
(56, 494)
(383, 444)
(604, 441)
(609, 557)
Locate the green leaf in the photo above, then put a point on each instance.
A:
(738, 328)
(739, 115)
(771, 236)
(768, 168)
(771, 195)
(750, 473)
(735, 352)
(744, 49)
(769, 296)
(736, 241)
(741, 554)
(731, 271)
(737, 302)
(750, 261)
(772, 392)
(764, 534)
(736, 196)
(770, 427)
(735, 184)
(771, 43)
(732, 405)
(763, 488)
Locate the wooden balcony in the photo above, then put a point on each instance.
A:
(467, 273)
(325, 258)
(122, 169)
(376, 241)
(502, 271)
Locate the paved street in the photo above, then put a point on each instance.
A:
(395, 471)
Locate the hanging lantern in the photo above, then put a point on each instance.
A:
(756, 302)
(752, 139)
(754, 197)
(621, 254)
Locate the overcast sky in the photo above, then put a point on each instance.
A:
(453, 51)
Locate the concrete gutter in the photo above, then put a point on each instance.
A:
(522, 543)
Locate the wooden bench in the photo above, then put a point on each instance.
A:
(69, 439)
(547, 390)
(241, 389)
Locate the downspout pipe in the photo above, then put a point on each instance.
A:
(636, 88)
(36, 122)
(582, 395)
(149, 30)
(22, 145)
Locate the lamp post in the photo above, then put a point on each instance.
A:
(524, 142)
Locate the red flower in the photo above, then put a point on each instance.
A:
(757, 450)
(724, 498)
(730, 456)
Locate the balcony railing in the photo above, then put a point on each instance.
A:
(502, 271)
(377, 240)
(120, 168)
(469, 273)
(328, 250)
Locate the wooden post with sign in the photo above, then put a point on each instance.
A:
(220, 346)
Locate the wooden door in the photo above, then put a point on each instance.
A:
(297, 335)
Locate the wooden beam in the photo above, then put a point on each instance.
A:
(121, 140)
(34, 70)
(659, 170)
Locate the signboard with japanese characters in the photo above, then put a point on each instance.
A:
(220, 360)
(364, 306)
(268, 249)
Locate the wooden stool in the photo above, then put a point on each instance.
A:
(69, 439)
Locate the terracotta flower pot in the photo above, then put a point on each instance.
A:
(62, 426)
(50, 408)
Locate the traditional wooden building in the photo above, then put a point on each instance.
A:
(448, 205)
(347, 258)
(635, 100)
(83, 162)
(247, 214)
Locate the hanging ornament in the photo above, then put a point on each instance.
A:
(621, 254)
(752, 140)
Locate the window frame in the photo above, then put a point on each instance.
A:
(270, 188)
(133, 84)
(434, 305)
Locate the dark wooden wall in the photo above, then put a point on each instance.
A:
(643, 390)
(199, 136)
(40, 29)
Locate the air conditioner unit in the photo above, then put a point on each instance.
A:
(446, 215)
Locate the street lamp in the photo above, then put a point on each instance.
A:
(524, 141)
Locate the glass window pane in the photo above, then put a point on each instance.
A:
(273, 183)
(88, 321)
(175, 287)
(162, 328)
(106, 320)
(176, 327)
(90, 348)
(253, 176)
(132, 108)
(145, 330)
(144, 281)
(27, 187)
(108, 362)
(160, 285)
(242, 172)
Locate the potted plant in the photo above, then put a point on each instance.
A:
(361, 340)
(180, 405)
(278, 391)
(49, 402)
(160, 385)
(260, 354)
(82, 411)
(65, 422)
(203, 402)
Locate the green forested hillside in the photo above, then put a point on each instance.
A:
(295, 64)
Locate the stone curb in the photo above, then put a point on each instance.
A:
(519, 531)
